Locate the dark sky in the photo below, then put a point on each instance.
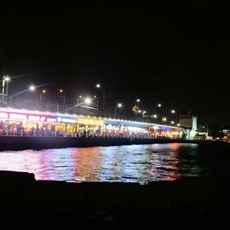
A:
(173, 53)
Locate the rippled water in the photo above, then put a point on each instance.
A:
(131, 163)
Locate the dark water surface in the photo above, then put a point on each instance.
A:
(127, 163)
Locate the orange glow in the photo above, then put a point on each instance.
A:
(91, 121)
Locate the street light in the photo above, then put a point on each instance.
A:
(87, 102)
(163, 118)
(103, 97)
(119, 105)
(28, 103)
(84, 103)
(5, 87)
(30, 88)
(43, 99)
(173, 111)
(63, 99)
(6, 80)
(140, 106)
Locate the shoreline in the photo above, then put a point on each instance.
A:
(43, 142)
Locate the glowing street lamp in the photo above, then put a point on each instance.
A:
(27, 100)
(163, 118)
(43, 99)
(173, 112)
(5, 87)
(103, 97)
(6, 80)
(140, 106)
(88, 100)
(43, 92)
(82, 101)
(118, 106)
(137, 111)
(31, 88)
(154, 116)
(63, 99)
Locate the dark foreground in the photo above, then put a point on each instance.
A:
(199, 203)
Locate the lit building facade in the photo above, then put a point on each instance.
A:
(20, 122)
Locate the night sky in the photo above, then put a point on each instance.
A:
(173, 53)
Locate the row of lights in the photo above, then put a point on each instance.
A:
(5, 85)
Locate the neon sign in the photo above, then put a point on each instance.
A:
(49, 119)
(17, 116)
(35, 117)
(65, 120)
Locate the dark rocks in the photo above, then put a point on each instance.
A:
(191, 199)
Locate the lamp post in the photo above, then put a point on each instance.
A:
(5, 88)
(163, 117)
(138, 100)
(103, 97)
(43, 99)
(118, 106)
(6, 80)
(82, 103)
(63, 102)
(27, 103)
(173, 112)
(31, 88)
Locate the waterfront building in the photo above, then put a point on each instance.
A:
(23, 122)
(189, 123)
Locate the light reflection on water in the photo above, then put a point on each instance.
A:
(128, 163)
